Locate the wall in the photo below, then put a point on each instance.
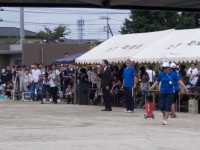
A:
(14, 57)
(16, 47)
(4, 61)
(4, 47)
(32, 53)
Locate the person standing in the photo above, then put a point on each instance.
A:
(166, 97)
(176, 91)
(8, 74)
(106, 83)
(194, 71)
(67, 75)
(22, 83)
(129, 83)
(53, 84)
(46, 86)
(151, 74)
(36, 73)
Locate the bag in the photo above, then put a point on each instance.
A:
(28, 85)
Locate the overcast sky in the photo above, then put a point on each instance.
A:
(52, 17)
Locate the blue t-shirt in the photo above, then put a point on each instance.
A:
(128, 76)
(68, 73)
(176, 85)
(167, 82)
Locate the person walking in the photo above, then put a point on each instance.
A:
(176, 91)
(129, 83)
(106, 83)
(166, 97)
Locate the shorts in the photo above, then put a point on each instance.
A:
(175, 96)
(23, 87)
(165, 102)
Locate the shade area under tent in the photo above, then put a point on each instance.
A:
(70, 60)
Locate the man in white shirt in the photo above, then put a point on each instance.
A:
(151, 74)
(36, 76)
(193, 77)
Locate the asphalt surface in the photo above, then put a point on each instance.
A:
(32, 126)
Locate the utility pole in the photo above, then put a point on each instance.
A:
(80, 23)
(107, 28)
(22, 36)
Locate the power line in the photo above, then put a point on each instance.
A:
(91, 13)
(52, 23)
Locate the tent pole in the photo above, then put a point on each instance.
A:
(75, 86)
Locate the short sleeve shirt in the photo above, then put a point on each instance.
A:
(167, 82)
(128, 76)
(36, 75)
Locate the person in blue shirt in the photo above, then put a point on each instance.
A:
(67, 75)
(129, 83)
(176, 89)
(166, 97)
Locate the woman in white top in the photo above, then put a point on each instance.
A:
(53, 84)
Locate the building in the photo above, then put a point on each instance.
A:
(37, 53)
(12, 32)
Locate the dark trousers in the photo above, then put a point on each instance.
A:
(54, 93)
(92, 92)
(107, 98)
(45, 88)
(129, 98)
(65, 85)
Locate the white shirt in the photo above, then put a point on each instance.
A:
(36, 75)
(194, 72)
(150, 73)
(28, 78)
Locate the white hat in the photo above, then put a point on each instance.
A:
(165, 64)
(173, 65)
(130, 59)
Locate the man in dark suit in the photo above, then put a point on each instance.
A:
(106, 83)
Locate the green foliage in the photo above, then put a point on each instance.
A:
(53, 36)
(9, 40)
(149, 21)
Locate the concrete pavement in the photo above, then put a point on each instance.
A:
(32, 126)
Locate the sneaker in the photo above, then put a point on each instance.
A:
(44, 99)
(164, 122)
(50, 99)
(129, 111)
(173, 116)
(125, 111)
(170, 114)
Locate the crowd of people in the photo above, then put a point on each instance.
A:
(49, 82)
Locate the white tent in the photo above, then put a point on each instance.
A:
(169, 45)
(121, 47)
(177, 46)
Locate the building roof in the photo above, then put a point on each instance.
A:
(83, 41)
(169, 5)
(15, 32)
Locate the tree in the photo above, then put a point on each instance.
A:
(54, 36)
(149, 21)
(9, 40)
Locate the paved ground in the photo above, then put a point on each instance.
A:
(32, 126)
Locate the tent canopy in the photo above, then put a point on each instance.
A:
(169, 5)
(170, 45)
(121, 47)
(68, 60)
